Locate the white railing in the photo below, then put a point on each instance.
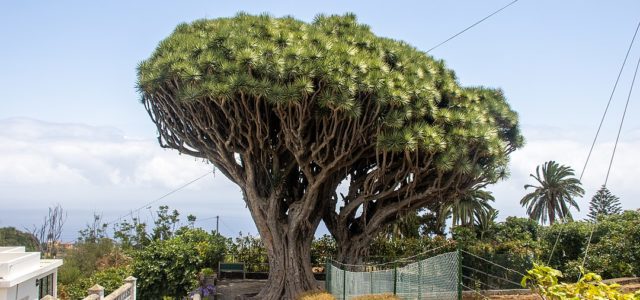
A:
(125, 292)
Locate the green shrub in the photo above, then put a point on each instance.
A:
(544, 281)
(110, 278)
(170, 267)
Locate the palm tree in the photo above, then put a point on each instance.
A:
(552, 198)
(465, 209)
(485, 220)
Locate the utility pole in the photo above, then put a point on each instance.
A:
(217, 222)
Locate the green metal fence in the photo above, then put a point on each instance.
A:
(436, 277)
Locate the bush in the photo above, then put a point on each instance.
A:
(9, 236)
(110, 278)
(249, 250)
(322, 249)
(614, 250)
(88, 257)
(544, 281)
(170, 267)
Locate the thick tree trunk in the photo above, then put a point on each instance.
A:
(290, 268)
(287, 239)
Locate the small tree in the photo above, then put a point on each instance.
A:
(604, 203)
(165, 223)
(48, 234)
(94, 231)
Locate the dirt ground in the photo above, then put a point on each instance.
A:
(236, 289)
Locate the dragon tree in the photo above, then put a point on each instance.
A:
(289, 110)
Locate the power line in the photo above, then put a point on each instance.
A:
(624, 113)
(624, 62)
(160, 198)
(472, 25)
(613, 154)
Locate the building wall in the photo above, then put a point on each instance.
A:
(24, 291)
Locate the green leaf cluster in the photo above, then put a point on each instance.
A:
(111, 279)
(341, 67)
(170, 267)
(9, 236)
(544, 281)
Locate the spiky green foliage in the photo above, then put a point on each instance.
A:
(469, 208)
(340, 63)
(288, 110)
(553, 196)
(604, 203)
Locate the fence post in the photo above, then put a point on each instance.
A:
(395, 279)
(420, 279)
(459, 272)
(133, 282)
(344, 283)
(327, 276)
(97, 290)
(371, 282)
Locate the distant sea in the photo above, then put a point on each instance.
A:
(26, 219)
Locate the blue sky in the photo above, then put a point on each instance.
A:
(74, 132)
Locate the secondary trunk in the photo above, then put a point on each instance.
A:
(351, 249)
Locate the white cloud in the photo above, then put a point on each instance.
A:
(39, 153)
(547, 144)
(98, 169)
(88, 168)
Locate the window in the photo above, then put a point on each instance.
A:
(45, 286)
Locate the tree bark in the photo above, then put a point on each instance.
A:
(352, 251)
(287, 239)
(290, 267)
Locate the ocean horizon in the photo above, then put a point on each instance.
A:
(78, 219)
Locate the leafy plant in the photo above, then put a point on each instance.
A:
(170, 267)
(544, 281)
(110, 278)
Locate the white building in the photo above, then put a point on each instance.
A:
(24, 276)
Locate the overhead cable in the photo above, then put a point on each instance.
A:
(472, 25)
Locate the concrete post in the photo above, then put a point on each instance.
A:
(133, 282)
(55, 284)
(97, 290)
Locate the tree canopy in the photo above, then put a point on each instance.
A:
(288, 110)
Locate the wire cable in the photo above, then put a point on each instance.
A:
(474, 291)
(160, 198)
(613, 154)
(624, 62)
(595, 138)
(492, 276)
(472, 25)
(624, 114)
(495, 264)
